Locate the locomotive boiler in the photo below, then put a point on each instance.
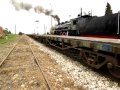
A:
(93, 26)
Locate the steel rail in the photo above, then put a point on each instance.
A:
(1, 63)
(36, 60)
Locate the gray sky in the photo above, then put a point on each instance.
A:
(65, 9)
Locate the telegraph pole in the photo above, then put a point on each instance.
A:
(44, 29)
(15, 28)
(34, 30)
(37, 21)
(51, 16)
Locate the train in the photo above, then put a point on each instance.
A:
(90, 26)
(95, 52)
(96, 39)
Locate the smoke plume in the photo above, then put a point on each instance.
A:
(25, 6)
(19, 6)
(38, 9)
(16, 5)
(56, 17)
(48, 12)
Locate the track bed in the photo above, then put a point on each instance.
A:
(96, 52)
(20, 70)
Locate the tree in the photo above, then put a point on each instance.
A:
(6, 31)
(108, 10)
(9, 32)
(20, 33)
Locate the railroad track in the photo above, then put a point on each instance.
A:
(81, 73)
(37, 62)
(28, 49)
(1, 63)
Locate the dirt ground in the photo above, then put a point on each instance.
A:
(20, 71)
(4, 50)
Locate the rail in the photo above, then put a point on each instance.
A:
(1, 63)
(36, 60)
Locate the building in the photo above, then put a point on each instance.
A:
(2, 34)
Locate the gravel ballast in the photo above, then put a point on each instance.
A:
(81, 75)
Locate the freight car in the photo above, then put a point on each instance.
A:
(96, 52)
(93, 26)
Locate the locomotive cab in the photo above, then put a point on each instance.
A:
(82, 23)
(73, 23)
(78, 24)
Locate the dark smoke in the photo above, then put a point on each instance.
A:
(19, 6)
(48, 12)
(25, 6)
(16, 5)
(38, 9)
(56, 17)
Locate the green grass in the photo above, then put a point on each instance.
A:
(11, 38)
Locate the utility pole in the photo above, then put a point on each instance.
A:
(51, 16)
(81, 12)
(44, 29)
(15, 28)
(91, 12)
(37, 21)
(34, 30)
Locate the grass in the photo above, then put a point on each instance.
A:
(10, 38)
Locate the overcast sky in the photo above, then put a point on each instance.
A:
(65, 9)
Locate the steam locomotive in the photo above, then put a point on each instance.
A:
(93, 26)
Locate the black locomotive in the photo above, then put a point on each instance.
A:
(105, 26)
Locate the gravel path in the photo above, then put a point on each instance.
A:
(20, 71)
(58, 79)
(81, 75)
(4, 49)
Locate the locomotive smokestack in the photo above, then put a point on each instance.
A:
(91, 12)
(81, 11)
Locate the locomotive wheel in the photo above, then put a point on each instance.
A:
(114, 70)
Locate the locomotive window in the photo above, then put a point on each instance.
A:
(74, 22)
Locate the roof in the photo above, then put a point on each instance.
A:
(1, 30)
